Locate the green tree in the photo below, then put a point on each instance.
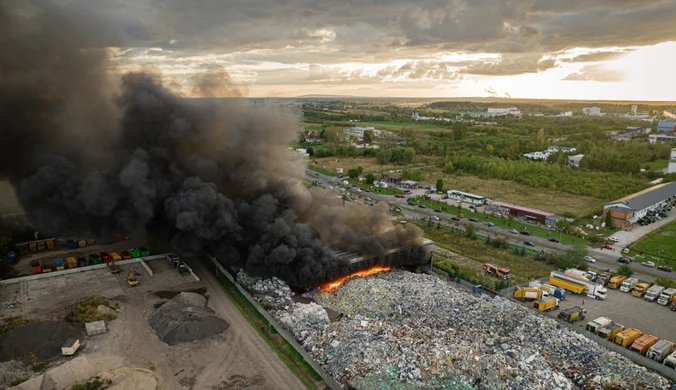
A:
(489, 148)
(370, 178)
(665, 282)
(609, 219)
(487, 240)
(470, 230)
(334, 135)
(353, 173)
(459, 130)
(368, 136)
(625, 270)
(440, 185)
(311, 151)
(572, 258)
(540, 137)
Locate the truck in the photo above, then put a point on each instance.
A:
(573, 314)
(609, 331)
(660, 350)
(670, 361)
(479, 289)
(576, 273)
(616, 281)
(547, 304)
(604, 278)
(495, 270)
(643, 343)
(640, 289)
(666, 297)
(527, 293)
(627, 337)
(554, 291)
(672, 307)
(59, 264)
(595, 325)
(628, 284)
(578, 286)
(653, 293)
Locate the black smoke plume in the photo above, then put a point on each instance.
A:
(89, 152)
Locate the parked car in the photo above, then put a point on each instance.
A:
(624, 260)
(665, 268)
(489, 224)
(528, 243)
(606, 246)
(555, 240)
(613, 239)
(589, 259)
(513, 231)
(525, 232)
(648, 264)
(474, 220)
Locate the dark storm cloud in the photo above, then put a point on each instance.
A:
(90, 157)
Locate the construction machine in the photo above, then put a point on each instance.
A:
(181, 267)
(112, 267)
(131, 279)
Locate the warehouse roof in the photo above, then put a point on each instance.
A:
(649, 196)
(522, 209)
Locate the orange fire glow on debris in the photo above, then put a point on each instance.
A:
(329, 286)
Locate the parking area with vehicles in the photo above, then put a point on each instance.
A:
(627, 310)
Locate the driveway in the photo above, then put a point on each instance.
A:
(628, 237)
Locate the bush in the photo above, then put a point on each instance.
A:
(86, 310)
(625, 270)
(665, 282)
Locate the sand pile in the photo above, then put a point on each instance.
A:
(44, 339)
(185, 318)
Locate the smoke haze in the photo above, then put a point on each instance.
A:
(89, 153)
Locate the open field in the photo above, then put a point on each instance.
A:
(9, 204)
(524, 268)
(236, 358)
(394, 126)
(368, 164)
(655, 165)
(660, 245)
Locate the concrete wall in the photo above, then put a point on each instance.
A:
(330, 382)
(54, 274)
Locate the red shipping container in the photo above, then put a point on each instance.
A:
(50, 244)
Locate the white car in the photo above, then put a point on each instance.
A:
(590, 259)
(435, 218)
(648, 264)
(613, 239)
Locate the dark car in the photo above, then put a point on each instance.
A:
(665, 268)
(438, 210)
(422, 206)
(399, 196)
(528, 243)
(525, 232)
(556, 240)
(474, 220)
(455, 218)
(489, 224)
(624, 260)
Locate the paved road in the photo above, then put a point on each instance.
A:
(605, 258)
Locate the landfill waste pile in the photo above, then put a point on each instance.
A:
(185, 318)
(414, 331)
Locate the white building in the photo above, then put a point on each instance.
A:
(358, 132)
(495, 111)
(545, 154)
(634, 109)
(574, 161)
(592, 111)
(660, 138)
(672, 162)
(417, 117)
(565, 113)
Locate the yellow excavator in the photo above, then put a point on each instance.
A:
(131, 279)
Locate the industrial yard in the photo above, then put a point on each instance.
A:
(233, 358)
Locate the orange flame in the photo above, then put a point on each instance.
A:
(329, 286)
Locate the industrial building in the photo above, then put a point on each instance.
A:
(661, 138)
(666, 127)
(574, 161)
(592, 111)
(671, 168)
(628, 210)
(466, 197)
(547, 218)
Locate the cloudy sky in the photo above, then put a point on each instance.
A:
(582, 49)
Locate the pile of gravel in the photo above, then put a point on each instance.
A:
(185, 318)
(13, 370)
(44, 339)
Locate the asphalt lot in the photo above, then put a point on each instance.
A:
(627, 310)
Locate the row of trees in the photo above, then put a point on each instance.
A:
(398, 155)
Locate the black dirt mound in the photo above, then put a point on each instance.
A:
(185, 318)
(43, 339)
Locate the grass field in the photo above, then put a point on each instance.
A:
(368, 164)
(523, 268)
(660, 245)
(655, 165)
(9, 204)
(394, 126)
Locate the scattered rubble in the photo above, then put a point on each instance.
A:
(404, 330)
(96, 327)
(185, 318)
(13, 371)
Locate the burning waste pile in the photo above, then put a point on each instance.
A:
(411, 331)
(91, 153)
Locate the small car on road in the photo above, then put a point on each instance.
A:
(665, 268)
(525, 232)
(613, 239)
(489, 224)
(589, 259)
(554, 240)
(473, 220)
(648, 264)
(528, 243)
(513, 231)
(624, 260)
